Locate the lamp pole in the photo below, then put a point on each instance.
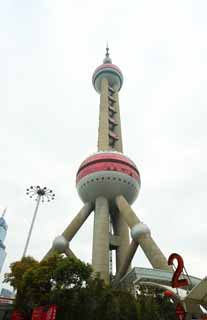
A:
(40, 195)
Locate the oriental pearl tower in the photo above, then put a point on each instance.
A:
(108, 183)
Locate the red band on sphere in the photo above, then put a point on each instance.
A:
(107, 164)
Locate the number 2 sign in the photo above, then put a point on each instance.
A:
(176, 282)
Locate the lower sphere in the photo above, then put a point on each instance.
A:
(108, 174)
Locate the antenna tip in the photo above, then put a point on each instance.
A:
(107, 59)
(4, 211)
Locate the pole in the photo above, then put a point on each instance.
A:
(32, 224)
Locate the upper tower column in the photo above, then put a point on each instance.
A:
(107, 81)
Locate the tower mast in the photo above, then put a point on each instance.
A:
(109, 134)
(107, 80)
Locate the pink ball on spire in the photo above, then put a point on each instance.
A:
(108, 71)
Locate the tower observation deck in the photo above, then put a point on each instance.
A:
(108, 182)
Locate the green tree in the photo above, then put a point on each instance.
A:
(68, 283)
(18, 269)
(15, 278)
(45, 282)
(153, 305)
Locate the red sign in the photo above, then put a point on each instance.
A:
(39, 313)
(45, 313)
(51, 313)
(17, 315)
(176, 282)
(169, 294)
(180, 312)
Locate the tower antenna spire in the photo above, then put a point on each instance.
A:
(4, 212)
(107, 58)
(107, 49)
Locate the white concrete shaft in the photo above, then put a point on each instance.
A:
(78, 221)
(126, 211)
(103, 130)
(148, 245)
(100, 255)
(118, 144)
(127, 261)
(121, 229)
(153, 253)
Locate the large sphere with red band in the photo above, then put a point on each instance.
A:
(110, 72)
(108, 174)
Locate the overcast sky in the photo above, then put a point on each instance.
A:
(49, 116)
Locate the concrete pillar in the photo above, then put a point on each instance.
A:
(73, 227)
(126, 211)
(121, 229)
(100, 255)
(69, 253)
(127, 261)
(103, 131)
(118, 144)
(148, 245)
(153, 253)
(78, 221)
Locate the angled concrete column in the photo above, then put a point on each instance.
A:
(153, 253)
(100, 258)
(126, 211)
(78, 221)
(121, 229)
(148, 245)
(127, 261)
(68, 252)
(73, 227)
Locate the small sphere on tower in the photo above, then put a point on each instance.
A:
(60, 244)
(139, 230)
(108, 71)
(107, 174)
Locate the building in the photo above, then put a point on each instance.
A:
(108, 183)
(6, 293)
(3, 232)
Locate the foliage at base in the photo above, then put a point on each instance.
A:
(68, 283)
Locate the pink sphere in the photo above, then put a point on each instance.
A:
(108, 174)
(110, 72)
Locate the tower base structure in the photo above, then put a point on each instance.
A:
(104, 241)
(108, 182)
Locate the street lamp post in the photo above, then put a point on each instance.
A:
(40, 195)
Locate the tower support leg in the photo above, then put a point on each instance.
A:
(121, 229)
(127, 261)
(148, 245)
(68, 252)
(100, 258)
(73, 228)
(77, 222)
